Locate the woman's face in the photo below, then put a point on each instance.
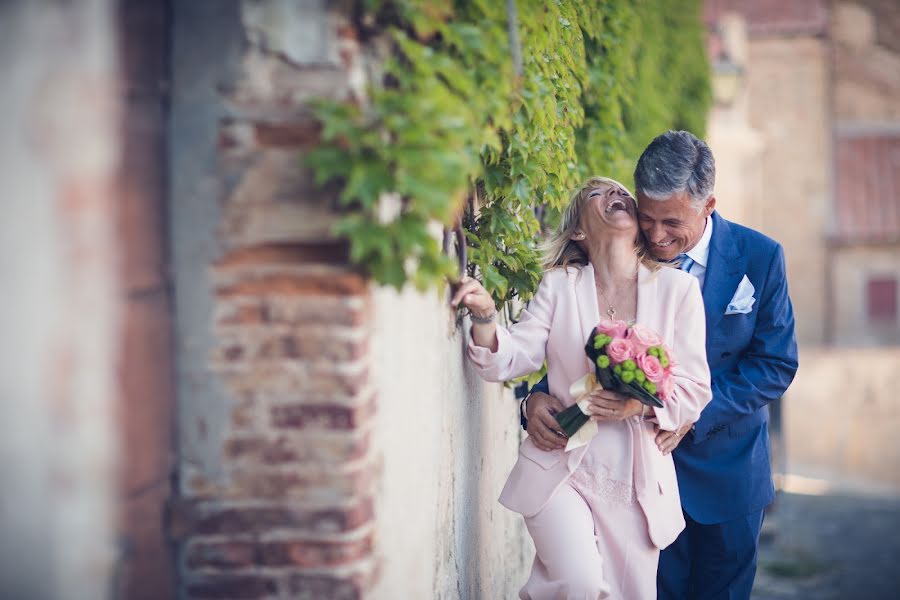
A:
(609, 209)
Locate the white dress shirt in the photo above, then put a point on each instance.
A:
(700, 253)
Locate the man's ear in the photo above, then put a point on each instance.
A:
(710, 206)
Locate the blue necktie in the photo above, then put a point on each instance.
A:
(686, 262)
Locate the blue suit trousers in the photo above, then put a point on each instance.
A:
(711, 562)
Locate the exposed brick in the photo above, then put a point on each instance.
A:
(327, 448)
(269, 372)
(233, 352)
(232, 586)
(236, 137)
(195, 518)
(328, 284)
(325, 382)
(243, 446)
(292, 310)
(263, 451)
(317, 343)
(336, 252)
(314, 553)
(274, 87)
(328, 416)
(310, 344)
(297, 382)
(317, 310)
(245, 413)
(322, 486)
(221, 555)
(313, 587)
(243, 313)
(289, 134)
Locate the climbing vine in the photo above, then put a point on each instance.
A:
(450, 126)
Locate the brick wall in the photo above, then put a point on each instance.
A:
(333, 442)
(277, 470)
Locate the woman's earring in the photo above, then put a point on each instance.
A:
(579, 236)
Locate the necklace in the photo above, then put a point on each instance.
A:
(610, 309)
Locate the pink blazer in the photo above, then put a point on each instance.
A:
(555, 326)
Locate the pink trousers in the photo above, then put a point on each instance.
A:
(588, 549)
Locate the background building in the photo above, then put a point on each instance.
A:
(805, 131)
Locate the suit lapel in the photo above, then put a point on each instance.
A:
(646, 297)
(586, 299)
(723, 272)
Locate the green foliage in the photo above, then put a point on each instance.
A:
(451, 121)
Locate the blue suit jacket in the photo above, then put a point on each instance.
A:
(723, 465)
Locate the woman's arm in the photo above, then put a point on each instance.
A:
(499, 354)
(691, 371)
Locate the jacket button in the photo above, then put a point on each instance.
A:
(726, 354)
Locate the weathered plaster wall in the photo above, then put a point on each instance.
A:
(448, 441)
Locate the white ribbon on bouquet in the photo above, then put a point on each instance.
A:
(581, 390)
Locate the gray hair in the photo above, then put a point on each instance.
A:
(676, 162)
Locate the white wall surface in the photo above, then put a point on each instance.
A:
(448, 442)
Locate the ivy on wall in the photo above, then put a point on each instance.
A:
(450, 120)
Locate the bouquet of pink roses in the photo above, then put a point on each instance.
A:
(630, 359)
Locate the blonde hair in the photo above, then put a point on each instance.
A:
(560, 250)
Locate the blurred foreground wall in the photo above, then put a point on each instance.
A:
(60, 316)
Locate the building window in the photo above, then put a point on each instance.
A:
(881, 294)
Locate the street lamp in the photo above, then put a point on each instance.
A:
(726, 80)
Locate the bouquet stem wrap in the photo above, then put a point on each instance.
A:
(573, 419)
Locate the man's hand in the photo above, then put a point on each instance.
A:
(542, 426)
(667, 441)
(607, 405)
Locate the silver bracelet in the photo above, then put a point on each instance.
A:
(483, 320)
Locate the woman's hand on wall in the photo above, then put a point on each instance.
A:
(474, 297)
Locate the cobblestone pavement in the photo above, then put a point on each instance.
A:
(837, 545)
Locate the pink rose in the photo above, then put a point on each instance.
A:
(665, 388)
(614, 329)
(619, 350)
(643, 337)
(651, 368)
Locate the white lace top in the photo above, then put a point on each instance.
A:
(605, 474)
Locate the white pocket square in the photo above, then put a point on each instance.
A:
(743, 299)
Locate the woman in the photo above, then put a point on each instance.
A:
(598, 514)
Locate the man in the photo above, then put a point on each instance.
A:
(722, 462)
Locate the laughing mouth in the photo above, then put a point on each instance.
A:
(615, 205)
(666, 245)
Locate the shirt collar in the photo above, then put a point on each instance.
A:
(700, 252)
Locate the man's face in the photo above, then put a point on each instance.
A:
(673, 225)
